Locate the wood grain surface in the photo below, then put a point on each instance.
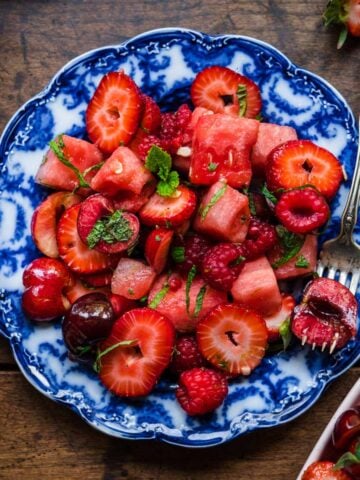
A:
(39, 439)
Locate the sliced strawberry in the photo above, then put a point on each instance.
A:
(233, 338)
(77, 256)
(79, 289)
(157, 247)
(166, 211)
(133, 370)
(81, 154)
(274, 322)
(102, 279)
(221, 149)
(132, 202)
(121, 304)
(216, 88)
(105, 229)
(113, 113)
(183, 301)
(132, 279)
(300, 162)
(45, 218)
(122, 171)
(151, 118)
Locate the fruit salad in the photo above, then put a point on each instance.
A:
(172, 240)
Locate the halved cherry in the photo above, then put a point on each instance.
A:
(346, 428)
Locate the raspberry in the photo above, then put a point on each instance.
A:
(194, 250)
(201, 390)
(173, 127)
(186, 355)
(147, 142)
(260, 238)
(302, 210)
(222, 265)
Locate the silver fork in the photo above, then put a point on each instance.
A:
(342, 254)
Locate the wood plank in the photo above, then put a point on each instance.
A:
(6, 357)
(50, 442)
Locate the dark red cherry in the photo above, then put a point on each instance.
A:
(88, 321)
(347, 426)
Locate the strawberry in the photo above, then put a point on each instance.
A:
(113, 113)
(157, 247)
(173, 210)
(224, 91)
(146, 341)
(132, 202)
(323, 470)
(77, 256)
(300, 162)
(151, 118)
(233, 338)
(45, 218)
(81, 288)
(274, 321)
(132, 279)
(345, 13)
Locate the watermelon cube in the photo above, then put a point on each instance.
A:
(221, 149)
(122, 171)
(227, 218)
(132, 279)
(257, 288)
(269, 137)
(303, 263)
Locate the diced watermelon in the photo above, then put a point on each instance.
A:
(123, 170)
(221, 149)
(173, 303)
(256, 287)
(83, 155)
(306, 257)
(228, 218)
(269, 137)
(132, 279)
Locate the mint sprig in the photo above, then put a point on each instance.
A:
(110, 229)
(159, 162)
(291, 244)
(100, 354)
(159, 296)
(189, 280)
(213, 200)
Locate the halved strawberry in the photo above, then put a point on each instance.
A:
(300, 162)
(77, 256)
(157, 247)
(45, 218)
(133, 370)
(132, 202)
(222, 90)
(274, 321)
(84, 156)
(173, 210)
(132, 279)
(113, 113)
(233, 338)
(151, 117)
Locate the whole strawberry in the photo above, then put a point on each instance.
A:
(345, 13)
(201, 390)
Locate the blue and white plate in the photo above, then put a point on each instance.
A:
(163, 63)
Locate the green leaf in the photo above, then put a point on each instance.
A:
(199, 300)
(212, 166)
(123, 343)
(238, 260)
(241, 94)
(167, 187)
(189, 280)
(285, 333)
(269, 195)
(346, 460)
(252, 203)
(80, 351)
(159, 162)
(302, 262)
(57, 146)
(110, 229)
(205, 209)
(291, 245)
(159, 296)
(178, 254)
(342, 38)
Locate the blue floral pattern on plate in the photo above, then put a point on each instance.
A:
(163, 63)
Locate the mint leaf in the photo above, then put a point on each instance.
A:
(159, 296)
(110, 229)
(346, 460)
(212, 166)
(301, 262)
(285, 333)
(267, 194)
(189, 280)
(252, 205)
(241, 94)
(123, 343)
(291, 245)
(199, 300)
(57, 146)
(167, 187)
(214, 199)
(159, 162)
(178, 254)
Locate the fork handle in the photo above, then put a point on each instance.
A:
(349, 216)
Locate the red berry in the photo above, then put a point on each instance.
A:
(222, 265)
(186, 355)
(201, 390)
(302, 210)
(261, 237)
(190, 252)
(324, 471)
(151, 117)
(147, 142)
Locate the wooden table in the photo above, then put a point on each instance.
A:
(39, 439)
